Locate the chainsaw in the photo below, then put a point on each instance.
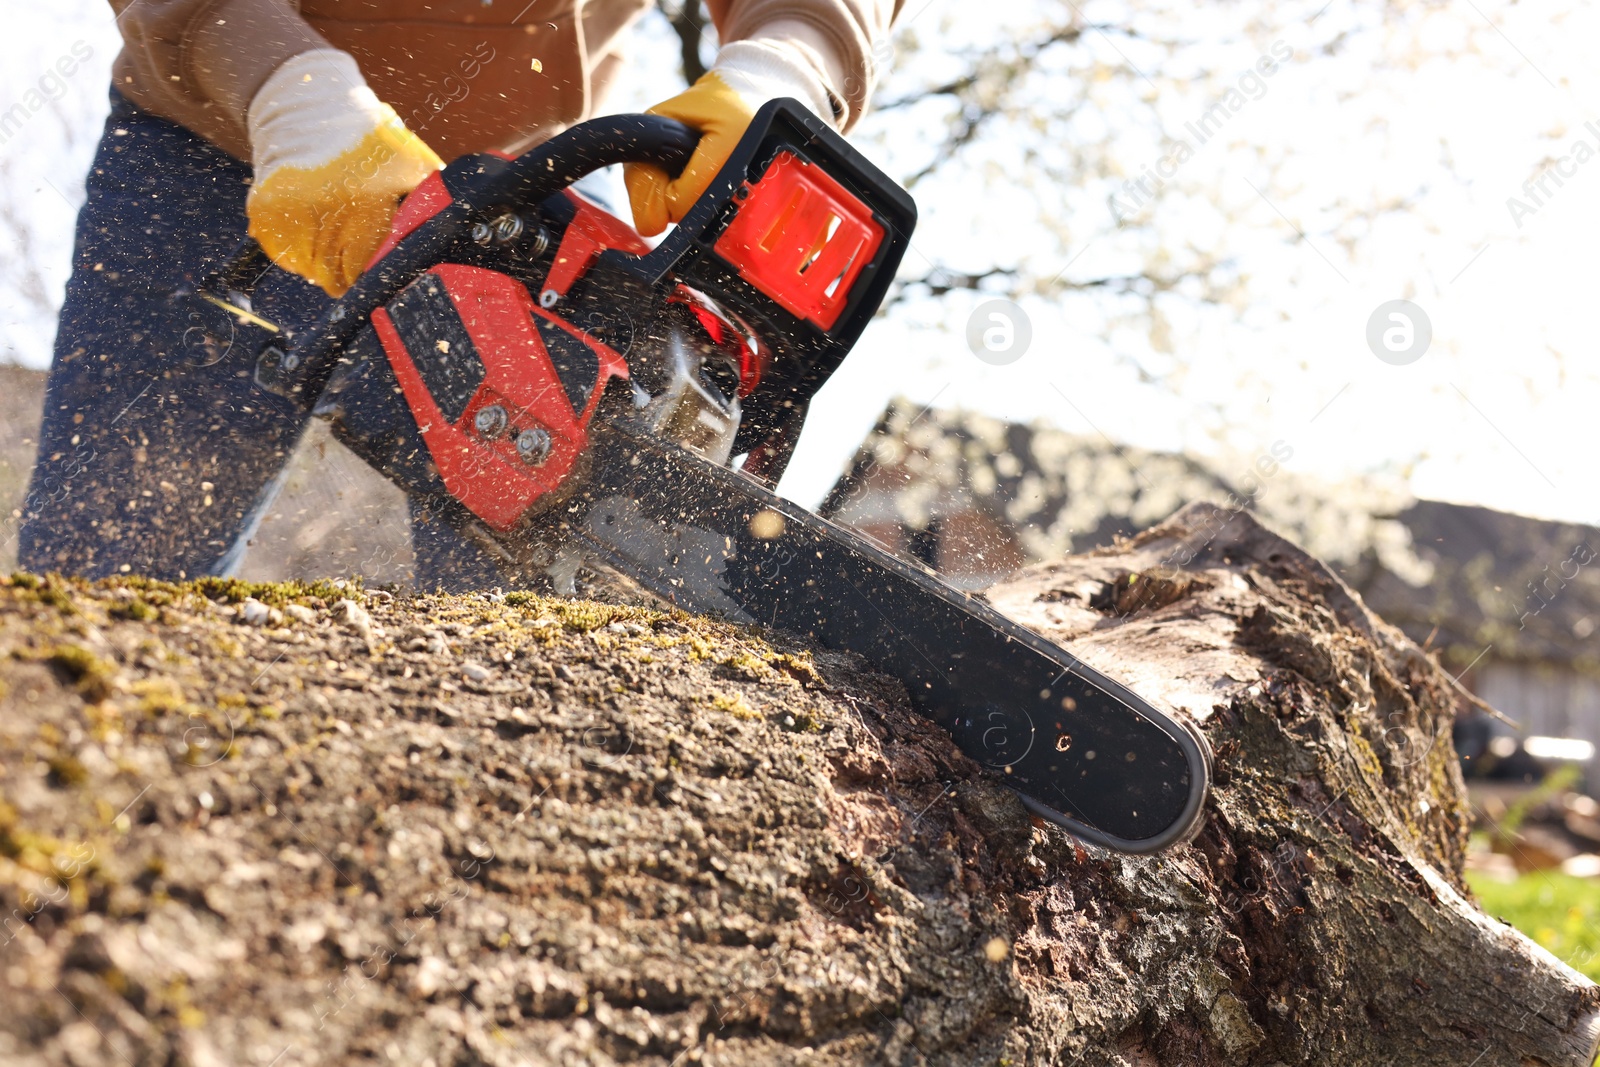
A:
(561, 391)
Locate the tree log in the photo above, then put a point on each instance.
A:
(324, 826)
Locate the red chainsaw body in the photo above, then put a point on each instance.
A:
(463, 339)
(486, 472)
(483, 357)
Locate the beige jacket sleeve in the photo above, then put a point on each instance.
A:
(835, 38)
(200, 62)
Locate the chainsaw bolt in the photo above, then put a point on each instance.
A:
(276, 358)
(482, 233)
(491, 421)
(534, 446)
(508, 227)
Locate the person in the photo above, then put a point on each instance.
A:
(304, 124)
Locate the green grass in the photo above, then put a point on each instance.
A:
(1560, 912)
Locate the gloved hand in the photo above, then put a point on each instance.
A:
(332, 164)
(720, 105)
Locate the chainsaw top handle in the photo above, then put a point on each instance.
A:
(480, 187)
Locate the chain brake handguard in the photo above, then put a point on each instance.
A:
(798, 235)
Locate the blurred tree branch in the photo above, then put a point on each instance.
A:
(688, 21)
(1048, 128)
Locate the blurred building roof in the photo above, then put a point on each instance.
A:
(1528, 587)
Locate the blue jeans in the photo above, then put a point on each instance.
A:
(154, 456)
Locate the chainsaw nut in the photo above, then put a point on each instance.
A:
(482, 233)
(278, 359)
(534, 446)
(548, 298)
(491, 421)
(508, 227)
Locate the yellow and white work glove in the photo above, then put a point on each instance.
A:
(720, 105)
(332, 163)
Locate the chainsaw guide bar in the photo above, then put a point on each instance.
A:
(1079, 748)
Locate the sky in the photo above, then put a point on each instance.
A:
(1448, 114)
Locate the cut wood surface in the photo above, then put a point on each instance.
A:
(292, 824)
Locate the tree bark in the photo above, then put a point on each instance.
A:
(325, 826)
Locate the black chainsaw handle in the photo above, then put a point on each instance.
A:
(480, 186)
(585, 148)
